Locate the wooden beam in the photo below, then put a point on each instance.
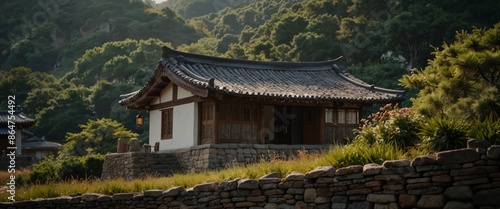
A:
(175, 92)
(176, 102)
(154, 84)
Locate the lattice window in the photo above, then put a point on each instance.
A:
(329, 115)
(207, 123)
(167, 120)
(340, 125)
(238, 123)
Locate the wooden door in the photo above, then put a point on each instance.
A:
(311, 125)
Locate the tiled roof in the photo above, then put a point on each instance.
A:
(39, 143)
(19, 119)
(5, 131)
(279, 80)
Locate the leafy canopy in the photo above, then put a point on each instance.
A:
(97, 137)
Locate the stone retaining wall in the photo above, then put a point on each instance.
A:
(198, 158)
(464, 179)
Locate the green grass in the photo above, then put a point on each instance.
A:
(337, 156)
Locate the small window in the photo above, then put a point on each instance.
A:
(351, 116)
(348, 116)
(167, 118)
(328, 115)
(341, 116)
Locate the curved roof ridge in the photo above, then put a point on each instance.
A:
(250, 64)
(186, 71)
(360, 83)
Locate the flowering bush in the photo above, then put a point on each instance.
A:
(391, 125)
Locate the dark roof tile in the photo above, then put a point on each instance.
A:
(39, 143)
(290, 80)
(19, 118)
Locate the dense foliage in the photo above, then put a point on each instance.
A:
(195, 8)
(463, 78)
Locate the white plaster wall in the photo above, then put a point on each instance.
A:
(183, 93)
(154, 126)
(165, 95)
(185, 127)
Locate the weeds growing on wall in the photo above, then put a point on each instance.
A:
(487, 129)
(444, 133)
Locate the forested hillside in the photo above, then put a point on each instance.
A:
(50, 36)
(68, 61)
(195, 8)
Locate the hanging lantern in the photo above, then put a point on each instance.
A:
(138, 120)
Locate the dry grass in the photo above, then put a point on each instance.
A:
(304, 162)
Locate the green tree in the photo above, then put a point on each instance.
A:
(96, 137)
(287, 28)
(206, 46)
(64, 112)
(25, 84)
(463, 78)
(226, 40)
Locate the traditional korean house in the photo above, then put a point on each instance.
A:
(39, 148)
(19, 121)
(195, 99)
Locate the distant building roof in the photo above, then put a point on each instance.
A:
(5, 131)
(271, 80)
(39, 143)
(20, 118)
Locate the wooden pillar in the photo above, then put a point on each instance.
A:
(157, 146)
(260, 128)
(321, 117)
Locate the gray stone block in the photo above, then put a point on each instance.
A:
(487, 198)
(248, 184)
(466, 155)
(462, 193)
(494, 152)
(323, 171)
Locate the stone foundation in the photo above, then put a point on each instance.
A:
(198, 158)
(466, 179)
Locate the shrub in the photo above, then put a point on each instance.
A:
(93, 165)
(444, 133)
(488, 129)
(44, 171)
(71, 167)
(89, 166)
(66, 168)
(391, 125)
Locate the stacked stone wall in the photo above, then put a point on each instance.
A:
(132, 165)
(465, 179)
